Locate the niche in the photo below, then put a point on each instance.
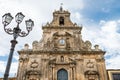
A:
(61, 20)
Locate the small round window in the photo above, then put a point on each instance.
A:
(62, 41)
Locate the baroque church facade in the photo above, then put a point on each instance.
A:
(61, 54)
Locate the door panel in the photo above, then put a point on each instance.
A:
(62, 74)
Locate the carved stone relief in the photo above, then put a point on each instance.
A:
(34, 64)
(90, 70)
(72, 53)
(87, 45)
(23, 58)
(90, 64)
(55, 43)
(92, 75)
(67, 44)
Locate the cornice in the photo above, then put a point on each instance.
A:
(62, 52)
(61, 27)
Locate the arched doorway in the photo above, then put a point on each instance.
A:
(62, 74)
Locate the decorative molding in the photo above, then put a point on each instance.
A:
(62, 52)
(59, 27)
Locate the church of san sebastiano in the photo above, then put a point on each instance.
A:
(61, 54)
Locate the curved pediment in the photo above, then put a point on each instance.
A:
(62, 34)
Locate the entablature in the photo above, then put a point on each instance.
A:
(61, 27)
(62, 52)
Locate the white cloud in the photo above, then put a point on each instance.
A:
(2, 66)
(108, 38)
(13, 69)
(77, 17)
(110, 35)
(113, 62)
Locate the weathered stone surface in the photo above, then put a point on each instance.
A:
(61, 49)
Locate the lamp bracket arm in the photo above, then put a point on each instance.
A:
(23, 33)
(8, 30)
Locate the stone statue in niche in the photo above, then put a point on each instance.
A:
(76, 41)
(48, 43)
(55, 43)
(62, 59)
(67, 44)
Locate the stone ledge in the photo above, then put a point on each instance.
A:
(59, 27)
(62, 52)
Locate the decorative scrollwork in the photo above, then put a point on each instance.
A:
(16, 31)
(90, 64)
(8, 30)
(23, 34)
(34, 64)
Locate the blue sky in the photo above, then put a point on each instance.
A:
(102, 9)
(100, 20)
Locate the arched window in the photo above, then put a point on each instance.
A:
(61, 20)
(62, 74)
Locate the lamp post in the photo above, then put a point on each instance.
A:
(16, 31)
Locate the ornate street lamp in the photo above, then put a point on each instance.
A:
(16, 31)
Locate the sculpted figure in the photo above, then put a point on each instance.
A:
(35, 45)
(67, 44)
(87, 45)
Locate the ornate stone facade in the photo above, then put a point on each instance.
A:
(61, 54)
